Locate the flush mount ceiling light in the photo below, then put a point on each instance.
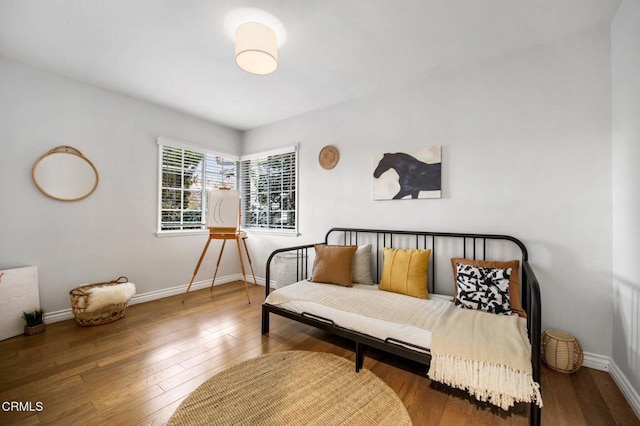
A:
(256, 48)
(257, 35)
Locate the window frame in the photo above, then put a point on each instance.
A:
(185, 146)
(265, 155)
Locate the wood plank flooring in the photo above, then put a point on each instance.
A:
(138, 370)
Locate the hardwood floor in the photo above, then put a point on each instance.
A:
(138, 370)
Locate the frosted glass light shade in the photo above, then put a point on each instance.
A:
(256, 48)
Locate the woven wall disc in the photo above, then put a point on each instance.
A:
(329, 157)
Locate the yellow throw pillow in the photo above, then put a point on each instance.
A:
(405, 272)
(333, 264)
(514, 280)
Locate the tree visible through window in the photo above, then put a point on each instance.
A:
(268, 191)
(267, 181)
(186, 176)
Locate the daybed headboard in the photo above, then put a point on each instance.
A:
(443, 245)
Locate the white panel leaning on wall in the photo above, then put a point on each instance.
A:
(19, 292)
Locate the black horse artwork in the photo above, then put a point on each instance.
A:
(414, 175)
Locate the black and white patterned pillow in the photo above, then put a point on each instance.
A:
(486, 289)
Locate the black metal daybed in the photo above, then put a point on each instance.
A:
(443, 246)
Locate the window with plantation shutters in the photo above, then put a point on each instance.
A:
(186, 174)
(268, 188)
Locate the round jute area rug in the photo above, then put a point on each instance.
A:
(293, 388)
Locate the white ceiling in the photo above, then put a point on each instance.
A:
(176, 52)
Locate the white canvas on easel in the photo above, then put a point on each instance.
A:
(223, 209)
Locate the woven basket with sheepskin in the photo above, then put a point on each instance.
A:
(101, 303)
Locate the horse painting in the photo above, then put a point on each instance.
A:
(413, 175)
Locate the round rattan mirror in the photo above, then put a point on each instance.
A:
(65, 174)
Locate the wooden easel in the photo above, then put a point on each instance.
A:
(224, 233)
(232, 234)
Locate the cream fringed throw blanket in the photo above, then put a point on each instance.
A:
(485, 354)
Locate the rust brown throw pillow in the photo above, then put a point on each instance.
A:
(333, 264)
(514, 280)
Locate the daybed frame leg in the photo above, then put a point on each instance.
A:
(534, 415)
(359, 356)
(265, 321)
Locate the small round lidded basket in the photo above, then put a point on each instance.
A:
(561, 351)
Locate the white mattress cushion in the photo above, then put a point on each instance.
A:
(365, 309)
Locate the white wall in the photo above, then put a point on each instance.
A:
(526, 151)
(626, 190)
(113, 231)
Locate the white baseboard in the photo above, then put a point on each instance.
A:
(625, 387)
(603, 363)
(597, 362)
(57, 316)
(65, 314)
